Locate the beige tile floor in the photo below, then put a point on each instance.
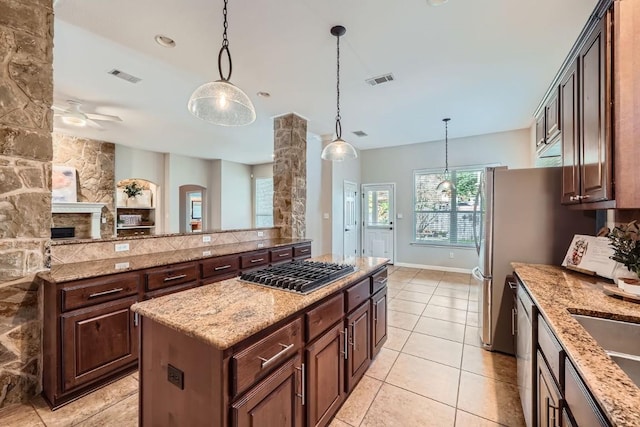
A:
(431, 371)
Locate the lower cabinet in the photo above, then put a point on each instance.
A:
(325, 372)
(358, 326)
(379, 321)
(548, 396)
(97, 341)
(579, 401)
(275, 401)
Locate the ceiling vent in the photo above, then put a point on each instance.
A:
(124, 76)
(374, 81)
(359, 133)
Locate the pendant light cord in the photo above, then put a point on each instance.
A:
(446, 146)
(225, 45)
(338, 123)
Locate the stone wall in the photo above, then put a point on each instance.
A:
(95, 166)
(26, 92)
(290, 175)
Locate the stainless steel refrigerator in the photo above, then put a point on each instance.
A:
(518, 218)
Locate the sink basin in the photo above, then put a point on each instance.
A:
(620, 340)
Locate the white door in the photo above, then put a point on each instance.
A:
(378, 213)
(350, 219)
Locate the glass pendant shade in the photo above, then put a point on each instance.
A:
(339, 150)
(222, 103)
(445, 186)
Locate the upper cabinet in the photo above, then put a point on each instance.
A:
(595, 103)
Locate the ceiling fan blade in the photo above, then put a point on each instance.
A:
(60, 109)
(94, 125)
(103, 117)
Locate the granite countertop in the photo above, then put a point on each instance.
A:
(558, 293)
(83, 270)
(224, 313)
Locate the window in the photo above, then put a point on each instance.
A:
(445, 219)
(264, 202)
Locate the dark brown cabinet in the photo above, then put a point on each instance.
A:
(579, 402)
(97, 341)
(552, 117)
(549, 399)
(379, 321)
(569, 101)
(325, 362)
(541, 134)
(275, 401)
(358, 326)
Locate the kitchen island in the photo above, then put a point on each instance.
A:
(236, 353)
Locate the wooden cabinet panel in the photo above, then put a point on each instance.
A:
(97, 341)
(378, 281)
(595, 145)
(171, 290)
(549, 398)
(358, 344)
(280, 255)
(253, 363)
(84, 293)
(254, 259)
(324, 315)
(302, 251)
(569, 109)
(276, 401)
(226, 266)
(550, 347)
(379, 321)
(541, 133)
(581, 405)
(325, 364)
(357, 294)
(164, 277)
(552, 117)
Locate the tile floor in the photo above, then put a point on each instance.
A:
(431, 371)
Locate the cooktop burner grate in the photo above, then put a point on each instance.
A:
(300, 277)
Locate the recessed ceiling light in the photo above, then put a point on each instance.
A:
(437, 2)
(264, 94)
(165, 41)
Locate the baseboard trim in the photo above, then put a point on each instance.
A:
(433, 267)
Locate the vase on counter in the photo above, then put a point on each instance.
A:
(626, 280)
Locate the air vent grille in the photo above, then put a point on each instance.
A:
(359, 133)
(124, 76)
(374, 81)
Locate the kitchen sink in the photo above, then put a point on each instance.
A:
(620, 340)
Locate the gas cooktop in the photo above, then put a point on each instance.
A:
(300, 277)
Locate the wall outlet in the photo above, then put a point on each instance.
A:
(325, 215)
(400, 216)
(260, 245)
(451, 255)
(122, 247)
(260, 233)
(122, 265)
(104, 220)
(206, 239)
(206, 253)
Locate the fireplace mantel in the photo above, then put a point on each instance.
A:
(95, 209)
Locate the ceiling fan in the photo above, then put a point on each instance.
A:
(74, 116)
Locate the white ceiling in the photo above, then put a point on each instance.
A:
(485, 64)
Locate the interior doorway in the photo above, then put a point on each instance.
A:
(193, 208)
(350, 240)
(378, 213)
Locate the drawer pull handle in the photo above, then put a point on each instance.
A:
(285, 349)
(257, 260)
(346, 347)
(304, 251)
(222, 267)
(283, 255)
(109, 292)
(382, 282)
(180, 276)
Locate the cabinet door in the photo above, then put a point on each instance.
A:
(548, 397)
(541, 134)
(569, 109)
(595, 157)
(325, 385)
(579, 401)
(97, 341)
(552, 117)
(358, 340)
(379, 325)
(275, 401)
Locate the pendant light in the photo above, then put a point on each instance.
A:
(339, 149)
(446, 186)
(221, 102)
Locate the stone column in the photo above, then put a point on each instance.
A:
(290, 175)
(26, 92)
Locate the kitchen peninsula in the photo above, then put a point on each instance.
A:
(235, 353)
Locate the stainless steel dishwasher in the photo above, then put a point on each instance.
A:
(525, 352)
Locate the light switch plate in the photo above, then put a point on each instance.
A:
(400, 216)
(325, 215)
(206, 239)
(260, 233)
(122, 265)
(122, 247)
(206, 253)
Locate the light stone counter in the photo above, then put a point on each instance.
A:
(223, 314)
(101, 267)
(558, 293)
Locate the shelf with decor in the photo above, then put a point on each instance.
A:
(135, 210)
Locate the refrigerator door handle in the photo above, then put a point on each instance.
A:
(476, 207)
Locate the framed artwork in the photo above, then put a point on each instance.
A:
(63, 184)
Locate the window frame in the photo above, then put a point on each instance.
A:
(255, 202)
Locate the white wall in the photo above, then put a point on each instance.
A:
(348, 170)
(315, 204)
(397, 164)
(235, 203)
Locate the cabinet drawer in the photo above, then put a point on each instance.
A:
(302, 251)
(88, 292)
(253, 363)
(254, 259)
(378, 281)
(324, 315)
(165, 277)
(357, 294)
(550, 347)
(279, 255)
(581, 405)
(224, 265)
(170, 290)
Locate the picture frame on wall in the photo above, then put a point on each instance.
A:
(64, 188)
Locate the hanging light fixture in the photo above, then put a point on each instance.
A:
(339, 149)
(220, 102)
(446, 186)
